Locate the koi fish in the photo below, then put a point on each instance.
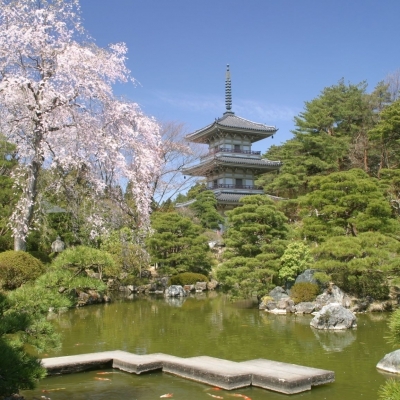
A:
(240, 395)
(168, 395)
(104, 373)
(215, 388)
(52, 390)
(215, 397)
(101, 379)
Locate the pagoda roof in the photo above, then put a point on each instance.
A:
(230, 122)
(209, 163)
(224, 197)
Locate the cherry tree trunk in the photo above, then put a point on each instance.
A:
(27, 202)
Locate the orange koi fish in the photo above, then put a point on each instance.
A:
(168, 395)
(101, 379)
(215, 397)
(240, 395)
(104, 373)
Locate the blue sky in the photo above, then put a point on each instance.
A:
(281, 53)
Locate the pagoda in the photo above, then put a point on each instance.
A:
(231, 166)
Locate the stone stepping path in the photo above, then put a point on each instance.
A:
(273, 375)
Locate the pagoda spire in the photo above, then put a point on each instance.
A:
(228, 91)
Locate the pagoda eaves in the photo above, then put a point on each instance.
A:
(229, 123)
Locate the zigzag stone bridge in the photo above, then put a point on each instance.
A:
(229, 375)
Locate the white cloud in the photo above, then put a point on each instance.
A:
(214, 106)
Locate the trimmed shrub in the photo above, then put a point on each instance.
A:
(304, 291)
(188, 278)
(18, 267)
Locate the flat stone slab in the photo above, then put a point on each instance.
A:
(229, 375)
(225, 374)
(286, 378)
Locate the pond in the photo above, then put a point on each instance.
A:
(208, 324)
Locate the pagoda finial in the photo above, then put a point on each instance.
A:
(228, 91)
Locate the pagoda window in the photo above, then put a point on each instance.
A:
(237, 148)
(215, 184)
(239, 183)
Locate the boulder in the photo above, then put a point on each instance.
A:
(305, 307)
(278, 293)
(306, 276)
(390, 363)
(175, 291)
(90, 296)
(334, 316)
(212, 285)
(332, 295)
(200, 286)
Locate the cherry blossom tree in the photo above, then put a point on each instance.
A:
(57, 106)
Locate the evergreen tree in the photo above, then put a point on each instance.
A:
(255, 241)
(346, 203)
(206, 210)
(178, 245)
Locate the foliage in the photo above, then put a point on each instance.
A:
(346, 203)
(81, 258)
(390, 390)
(304, 291)
(126, 248)
(8, 196)
(295, 260)
(58, 108)
(178, 244)
(188, 278)
(386, 135)
(23, 322)
(42, 256)
(17, 268)
(255, 241)
(359, 265)
(331, 135)
(206, 210)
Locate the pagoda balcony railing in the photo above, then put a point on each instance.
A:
(226, 150)
(230, 186)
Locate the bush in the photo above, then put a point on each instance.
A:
(304, 291)
(40, 255)
(188, 278)
(82, 257)
(18, 267)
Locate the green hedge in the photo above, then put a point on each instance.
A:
(188, 278)
(17, 268)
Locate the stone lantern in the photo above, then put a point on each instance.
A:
(58, 245)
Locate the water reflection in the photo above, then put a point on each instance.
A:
(335, 340)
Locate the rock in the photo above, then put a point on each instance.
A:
(278, 293)
(89, 296)
(332, 295)
(277, 311)
(334, 316)
(307, 276)
(212, 285)
(188, 288)
(200, 286)
(284, 303)
(380, 306)
(175, 291)
(306, 307)
(390, 363)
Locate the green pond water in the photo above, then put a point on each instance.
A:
(208, 324)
